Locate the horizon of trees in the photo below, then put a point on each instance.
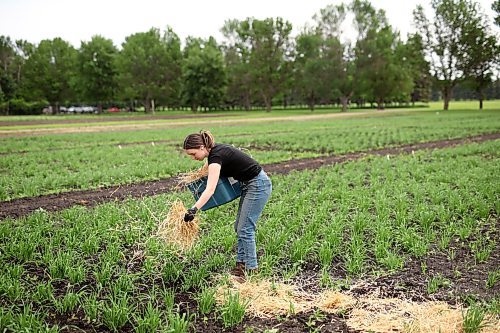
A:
(259, 64)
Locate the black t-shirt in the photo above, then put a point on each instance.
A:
(234, 163)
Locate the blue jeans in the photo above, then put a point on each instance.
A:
(254, 196)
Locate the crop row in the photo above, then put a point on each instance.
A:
(353, 220)
(427, 125)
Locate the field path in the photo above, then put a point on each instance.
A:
(105, 119)
(55, 202)
(149, 123)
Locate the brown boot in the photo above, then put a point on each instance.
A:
(238, 270)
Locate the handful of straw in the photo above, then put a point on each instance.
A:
(189, 177)
(174, 230)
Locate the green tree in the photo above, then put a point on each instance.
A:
(309, 68)
(97, 70)
(149, 67)
(204, 75)
(265, 45)
(446, 42)
(381, 75)
(482, 54)
(13, 55)
(496, 8)
(240, 90)
(481, 72)
(338, 69)
(48, 72)
(7, 79)
(413, 55)
(367, 18)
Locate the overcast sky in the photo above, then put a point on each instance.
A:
(76, 21)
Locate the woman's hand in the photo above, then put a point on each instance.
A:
(189, 216)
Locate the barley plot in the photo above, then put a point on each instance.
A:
(406, 244)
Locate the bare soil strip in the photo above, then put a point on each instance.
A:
(108, 119)
(134, 126)
(55, 202)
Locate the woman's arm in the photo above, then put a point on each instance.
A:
(213, 179)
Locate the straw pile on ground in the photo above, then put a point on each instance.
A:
(267, 299)
(396, 315)
(384, 315)
(174, 230)
(189, 177)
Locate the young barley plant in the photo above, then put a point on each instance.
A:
(325, 280)
(91, 307)
(492, 279)
(168, 297)
(103, 273)
(6, 319)
(178, 323)
(436, 282)
(30, 321)
(392, 261)
(44, 292)
(76, 274)
(11, 288)
(25, 250)
(473, 319)
(355, 258)
(67, 304)
(172, 270)
(232, 310)
(206, 300)
(116, 313)
(15, 271)
(90, 245)
(482, 248)
(149, 320)
(59, 267)
(123, 285)
(325, 254)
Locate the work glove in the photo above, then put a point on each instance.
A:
(189, 216)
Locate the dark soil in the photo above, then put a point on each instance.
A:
(466, 278)
(55, 202)
(303, 322)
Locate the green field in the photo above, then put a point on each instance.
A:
(62, 162)
(420, 226)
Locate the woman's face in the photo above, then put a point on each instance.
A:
(198, 154)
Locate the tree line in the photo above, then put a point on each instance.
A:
(260, 64)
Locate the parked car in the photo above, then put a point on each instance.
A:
(82, 109)
(113, 109)
(89, 109)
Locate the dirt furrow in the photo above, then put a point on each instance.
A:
(54, 202)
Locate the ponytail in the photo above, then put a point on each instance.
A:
(196, 140)
(208, 139)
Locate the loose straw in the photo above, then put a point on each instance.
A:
(267, 299)
(189, 177)
(174, 230)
